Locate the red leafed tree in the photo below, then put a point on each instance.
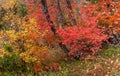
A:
(76, 36)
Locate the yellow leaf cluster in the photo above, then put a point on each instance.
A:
(8, 4)
(27, 57)
(23, 35)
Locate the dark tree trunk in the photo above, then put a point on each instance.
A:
(45, 9)
(69, 6)
(60, 14)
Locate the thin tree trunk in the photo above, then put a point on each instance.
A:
(60, 14)
(69, 6)
(45, 9)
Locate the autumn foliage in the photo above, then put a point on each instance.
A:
(84, 39)
(30, 31)
(80, 38)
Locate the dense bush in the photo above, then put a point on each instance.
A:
(108, 17)
(84, 39)
(21, 43)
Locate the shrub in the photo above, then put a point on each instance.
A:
(84, 39)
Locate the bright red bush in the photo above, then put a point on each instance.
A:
(84, 39)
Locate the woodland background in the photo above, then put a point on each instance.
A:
(59, 38)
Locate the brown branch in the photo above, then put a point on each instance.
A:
(45, 9)
(69, 6)
(60, 14)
